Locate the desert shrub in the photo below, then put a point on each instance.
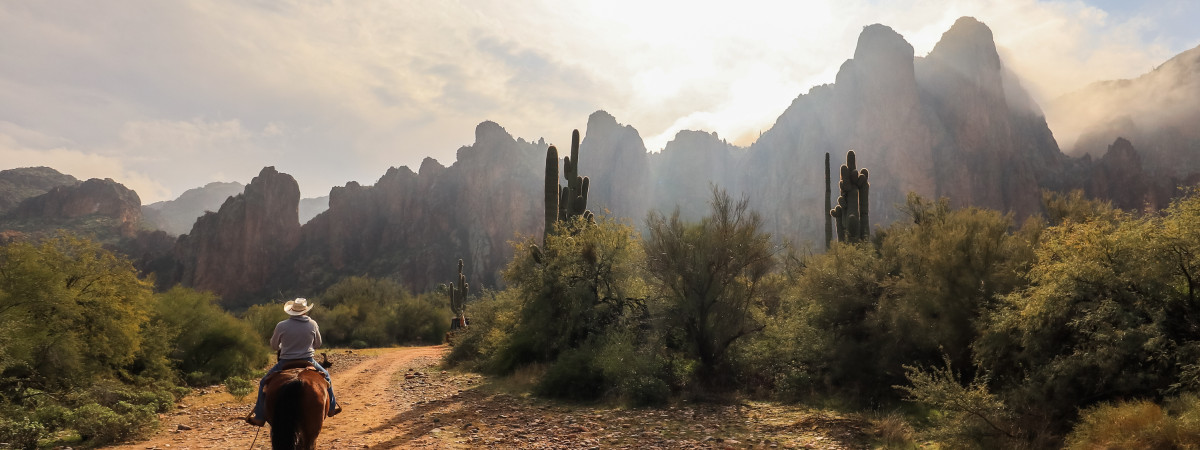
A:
(73, 312)
(573, 376)
(369, 312)
(98, 424)
(53, 417)
(239, 387)
(493, 318)
(947, 266)
(263, 318)
(583, 283)
(22, 433)
(110, 393)
(1139, 424)
(423, 318)
(209, 341)
(711, 274)
(1104, 317)
(636, 368)
(969, 414)
(826, 334)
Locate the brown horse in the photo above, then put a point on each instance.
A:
(297, 402)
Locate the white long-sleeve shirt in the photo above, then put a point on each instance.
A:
(296, 337)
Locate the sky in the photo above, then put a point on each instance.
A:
(164, 96)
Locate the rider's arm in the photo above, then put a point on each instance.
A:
(276, 338)
(316, 335)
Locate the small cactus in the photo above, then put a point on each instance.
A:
(458, 298)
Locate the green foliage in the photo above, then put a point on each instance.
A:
(948, 267)
(263, 318)
(585, 284)
(1103, 317)
(970, 413)
(1072, 207)
(826, 332)
(70, 311)
(711, 275)
(493, 319)
(378, 313)
(210, 344)
(574, 376)
(238, 387)
(23, 433)
(1139, 424)
(98, 424)
(637, 369)
(86, 345)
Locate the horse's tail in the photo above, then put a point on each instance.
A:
(285, 425)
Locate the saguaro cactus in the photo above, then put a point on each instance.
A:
(458, 298)
(564, 202)
(828, 206)
(851, 213)
(574, 195)
(551, 190)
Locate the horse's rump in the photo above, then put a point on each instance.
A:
(297, 402)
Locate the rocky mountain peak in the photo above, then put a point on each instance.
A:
(968, 49)
(105, 198)
(882, 43)
(234, 251)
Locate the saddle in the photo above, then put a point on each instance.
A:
(297, 364)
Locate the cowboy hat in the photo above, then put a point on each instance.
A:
(297, 307)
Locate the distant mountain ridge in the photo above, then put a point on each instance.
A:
(177, 216)
(19, 184)
(1157, 112)
(954, 123)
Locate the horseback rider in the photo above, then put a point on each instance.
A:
(294, 339)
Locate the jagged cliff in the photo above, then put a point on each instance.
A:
(102, 208)
(238, 251)
(413, 227)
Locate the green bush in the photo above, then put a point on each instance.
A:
(100, 425)
(713, 276)
(238, 387)
(263, 318)
(493, 319)
(110, 393)
(53, 417)
(573, 376)
(362, 312)
(211, 344)
(22, 433)
(585, 282)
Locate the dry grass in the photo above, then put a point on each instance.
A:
(1138, 424)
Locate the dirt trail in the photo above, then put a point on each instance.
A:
(370, 389)
(398, 398)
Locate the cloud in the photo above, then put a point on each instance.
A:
(22, 147)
